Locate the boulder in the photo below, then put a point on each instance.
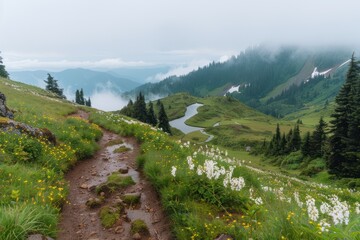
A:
(38, 237)
(224, 237)
(4, 110)
(15, 127)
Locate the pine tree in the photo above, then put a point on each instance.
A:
(306, 146)
(283, 144)
(50, 83)
(343, 161)
(318, 139)
(139, 109)
(81, 97)
(77, 96)
(277, 140)
(3, 72)
(295, 142)
(151, 118)
(289, 137)
(128, 109)
(163, 120)
(52, 86)
(88, 102)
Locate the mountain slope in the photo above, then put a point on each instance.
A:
(258, 73)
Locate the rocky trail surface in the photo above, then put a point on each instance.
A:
(89, 195)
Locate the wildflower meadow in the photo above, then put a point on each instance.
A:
(206, 193)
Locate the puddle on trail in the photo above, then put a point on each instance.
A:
(134, 175)
(110, 162)
(112, 148)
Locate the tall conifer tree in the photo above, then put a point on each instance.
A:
(151, 118)
(318, 139)
(163, 120)
(3, 72)
(343, 160)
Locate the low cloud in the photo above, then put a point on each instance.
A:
(109, 63)
(108, 101)
(179, 70)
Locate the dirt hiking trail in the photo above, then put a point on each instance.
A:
(80, 218)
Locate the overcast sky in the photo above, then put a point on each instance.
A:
(51, 34)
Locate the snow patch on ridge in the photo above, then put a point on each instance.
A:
(316, 73)
(233, 89)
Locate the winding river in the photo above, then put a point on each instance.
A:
(180, 124)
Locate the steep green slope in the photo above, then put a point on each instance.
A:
(205, 192)
(262, 75)
(232, 123)
(32, 183)
(209, 194)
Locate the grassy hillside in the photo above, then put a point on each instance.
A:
(205, 192)
(269, 81)
(32, 169)
(232, 123)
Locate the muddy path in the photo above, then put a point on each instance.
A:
(79, 221)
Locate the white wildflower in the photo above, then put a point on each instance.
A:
(173, 171)
(190, 163)
(209, 167)
(311, 208)
(237, 183)
(324, 226)
(297, 200)
(340, 211)
(325, 208)
(258, 201)
(200, 170)
(357, 208)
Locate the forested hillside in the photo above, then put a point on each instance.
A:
(264, 78)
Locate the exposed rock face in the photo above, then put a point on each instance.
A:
(4, 111)
(22, 128)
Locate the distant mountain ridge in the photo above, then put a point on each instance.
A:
(262, 74)
(71, 79)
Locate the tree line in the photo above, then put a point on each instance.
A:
(80, 99)
(313, 145)
(141, 112)
(337, 143)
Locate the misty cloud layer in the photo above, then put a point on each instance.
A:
(107, 101)
(42, 34)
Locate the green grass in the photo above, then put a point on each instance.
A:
(175, 106)
(238, 125)
(32, 169)
(17, 221)
(196, 137)
(139, 226)
(115, 182)
(114, 142)
(109, 216)
(200, 204)
(203, 208)
(121, 149)
(305, 72)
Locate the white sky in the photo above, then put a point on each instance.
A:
(50, 34)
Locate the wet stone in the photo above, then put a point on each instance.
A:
(136, 236)
(224, 237)
(93, 202)
(119, 229)
(38, 237)
(123, 170)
